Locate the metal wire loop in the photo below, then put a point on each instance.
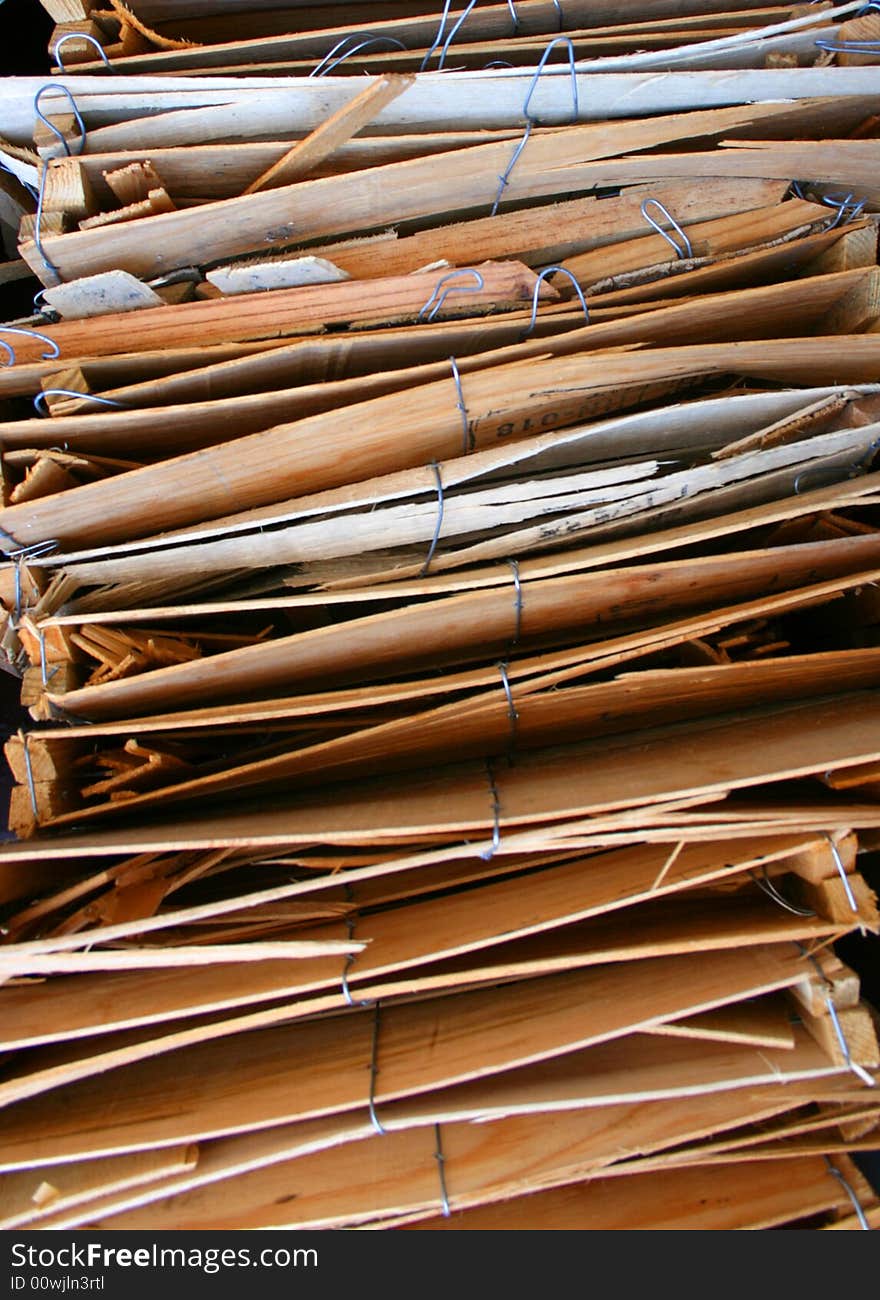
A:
(38, 225)
(44, 667)
(48, 313)
(438, 38)
(38, 551)
(569, 44)
(79, 36)
(553, 270)
(24, 555)
(824, 477)
(841, 871)
(441, 37)
(40, 399)
(504, 178)
(764, 883)
(56, 86)
(26, 333)
(437, 299)
(328, 63)
(849, 47)
(852, 1065)
(512, 713)
(685, 249)
(467, 437)
(453, 33)
(858, 1070)
(29, 773)
(847, 208)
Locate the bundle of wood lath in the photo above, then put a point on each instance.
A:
(443, 575)
(213, 37)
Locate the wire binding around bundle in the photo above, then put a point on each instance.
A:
(518, 604)
(23, 555)
(38, 226)
(847, 1187)
(858, 1070)
(441, 1171)
(504, 178)
(441, 510)
(374, 1072)
(44, 667)
(467, 436)
(349, 961)
(841, 871)
(29, 773)
(512, 713)
(488, 854)
(47, 313)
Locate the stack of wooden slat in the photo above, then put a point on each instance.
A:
(442, 572)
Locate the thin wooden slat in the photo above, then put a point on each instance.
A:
(481, 100)
(336, 130)
(27, 1197)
